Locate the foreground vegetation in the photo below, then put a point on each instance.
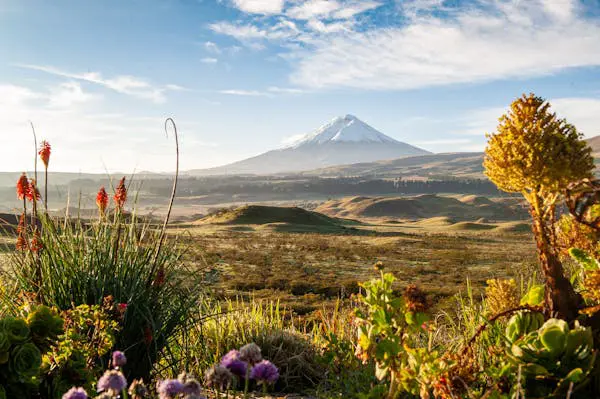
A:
(115, 306)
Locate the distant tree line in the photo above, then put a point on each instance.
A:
(323, 186)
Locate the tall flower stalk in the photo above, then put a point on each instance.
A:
(45, 151)
(102, 202)
(23, 190)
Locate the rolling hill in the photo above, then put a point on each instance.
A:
(468, 208)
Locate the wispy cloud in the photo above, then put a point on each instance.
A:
(431, 42)
(85, 138)
(582, 112)
(212, 47)
(124, 84)
(325, 9)
(244, 93)
(209, 60)
(259, 6)
(269, 92)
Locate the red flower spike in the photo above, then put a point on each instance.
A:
(120, 194)
(33, 194)
(44, 152)
(21, 244)
(36, 242)
(21, 226)
(102, 200)
(22, 187)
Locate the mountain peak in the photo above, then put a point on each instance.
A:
(347, 128)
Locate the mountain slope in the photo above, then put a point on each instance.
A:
(343, 140)
(435, 166)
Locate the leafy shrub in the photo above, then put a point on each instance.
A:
(77, 358)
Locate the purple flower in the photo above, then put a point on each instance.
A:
(113, 381)
(118, 359)
(232, 362)
(264, 372)
(167, 389)
(75, 393)
(250, 353)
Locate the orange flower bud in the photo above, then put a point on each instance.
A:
(44, 152)
(102, 200)
(120, 194)
(22, 187)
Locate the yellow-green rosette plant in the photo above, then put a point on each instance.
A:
(25, 362)
(550, 360)
(16, 329)
(45, 326)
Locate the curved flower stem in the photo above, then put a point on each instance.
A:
(35, 174)
(174, 191)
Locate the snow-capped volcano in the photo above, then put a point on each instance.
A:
(344, 129)
(344, 140)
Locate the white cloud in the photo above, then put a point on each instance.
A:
(124, 84)
(560, 9)
(69, 94)
(244, 93)
(245, 33)
(286, 90)
(428, 43)
(319, 26)
(582, 112)
(509, 42)
(212, 47)
(259, 6)
(335, 9)
(84, 138)
(209, 60)
(314, 8)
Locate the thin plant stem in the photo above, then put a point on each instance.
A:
(247, 383)
(46, 189)
(174, 191)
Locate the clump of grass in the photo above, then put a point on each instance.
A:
(232, 324)
(114, 258)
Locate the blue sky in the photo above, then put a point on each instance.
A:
(241, 77)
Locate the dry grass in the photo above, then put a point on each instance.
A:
(305, 270)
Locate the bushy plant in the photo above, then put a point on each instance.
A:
(230, 324)
(393, 331)
(77, 358)
(70, 262)
(538, 155)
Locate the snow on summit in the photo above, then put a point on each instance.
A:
(344, 129)
(342, 141)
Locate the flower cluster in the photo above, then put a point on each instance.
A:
(244, 364)
(120, 196)
(102, 200)
(44, 152)
(113, 384)
(184, 386)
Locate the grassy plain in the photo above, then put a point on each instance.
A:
(307, 266)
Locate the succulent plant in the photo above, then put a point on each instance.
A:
(548, 358)
(522, 323)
